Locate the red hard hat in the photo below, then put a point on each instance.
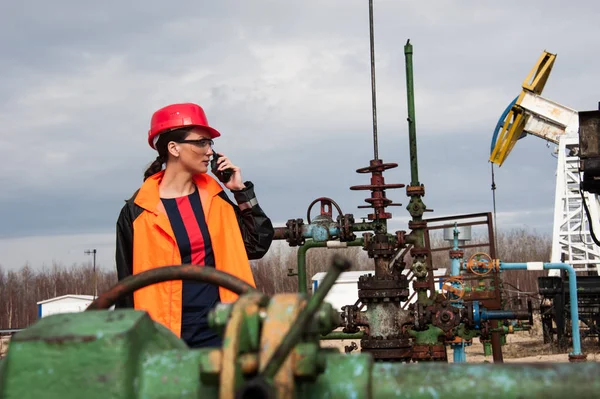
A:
(178, 115)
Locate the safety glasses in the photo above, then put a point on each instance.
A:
(201, 143)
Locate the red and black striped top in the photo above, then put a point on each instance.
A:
(193, 239)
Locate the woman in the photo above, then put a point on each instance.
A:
(181, 215)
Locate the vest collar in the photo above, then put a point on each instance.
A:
(148, 196)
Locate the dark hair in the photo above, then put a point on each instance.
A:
(163, 151)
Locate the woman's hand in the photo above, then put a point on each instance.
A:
(235, 182)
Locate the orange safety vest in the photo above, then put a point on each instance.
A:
(154, 245)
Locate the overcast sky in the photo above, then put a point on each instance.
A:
(288, 85)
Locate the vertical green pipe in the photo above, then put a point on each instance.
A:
(487, 348)
(303, 249)
(415, 207)
(302, 283)
(412, 130)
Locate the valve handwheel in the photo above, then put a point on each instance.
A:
(453, 289)
(168, 273)
(480, 264)
(326, 210)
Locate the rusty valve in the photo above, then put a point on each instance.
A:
(453, 289)
(482, 264)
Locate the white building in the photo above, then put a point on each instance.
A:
(345, 290)
(64, 304)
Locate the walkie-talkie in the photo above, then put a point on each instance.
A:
(224, 175)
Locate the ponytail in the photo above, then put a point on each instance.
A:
(163, 152)
(154, 167)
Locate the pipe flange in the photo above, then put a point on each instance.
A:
(446, 319)
(384, 343)
(395, 295)
(417, 225)
(371, 282)
(401, 238)
(294, 232)
(420, 284)
(429, 352)
(419, 251)
(381, 244)
(346, 224)
(577, 358)
(415, 190)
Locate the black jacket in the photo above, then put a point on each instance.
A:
(256, 229)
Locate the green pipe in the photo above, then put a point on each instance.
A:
(412, 129)
(487, 349)
(517, 380)
(365, 226)
(342, 335)
(415, 207)
(302, 282)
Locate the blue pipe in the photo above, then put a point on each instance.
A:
(459, 349)
(455, 267)
(501, 123)
(320, 232)
(460, 355)
(572, 293)
(482, 314)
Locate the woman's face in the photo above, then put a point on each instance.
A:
(196, 150)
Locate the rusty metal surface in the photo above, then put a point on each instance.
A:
(577, 358)
(280, 233)
(168, 273)
(393, 350)
(326, 210)
(456, 254)
(429, 353)
(417, 224)
(415, 190)
(378, 199)
(346, 226)
(294, 232)
(496, 340)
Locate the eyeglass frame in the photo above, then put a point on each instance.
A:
(200, 143)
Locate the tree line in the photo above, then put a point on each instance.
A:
(20, 290)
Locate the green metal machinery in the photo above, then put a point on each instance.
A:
(271, 350)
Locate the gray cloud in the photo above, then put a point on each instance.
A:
(289, 87)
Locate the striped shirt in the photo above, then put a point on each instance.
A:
(191, 233)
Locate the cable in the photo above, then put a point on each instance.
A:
(495, 219)
(587, 212)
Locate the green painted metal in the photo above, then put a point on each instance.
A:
(427, 337)
(412, 129)
(123, 354)
(303, 249)
(502, 381)
(487, 348)
(415, 206)
(169, 374)
(346, 376)
(99, 352)
(338, 265)
(365, 226)
(466, 333)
